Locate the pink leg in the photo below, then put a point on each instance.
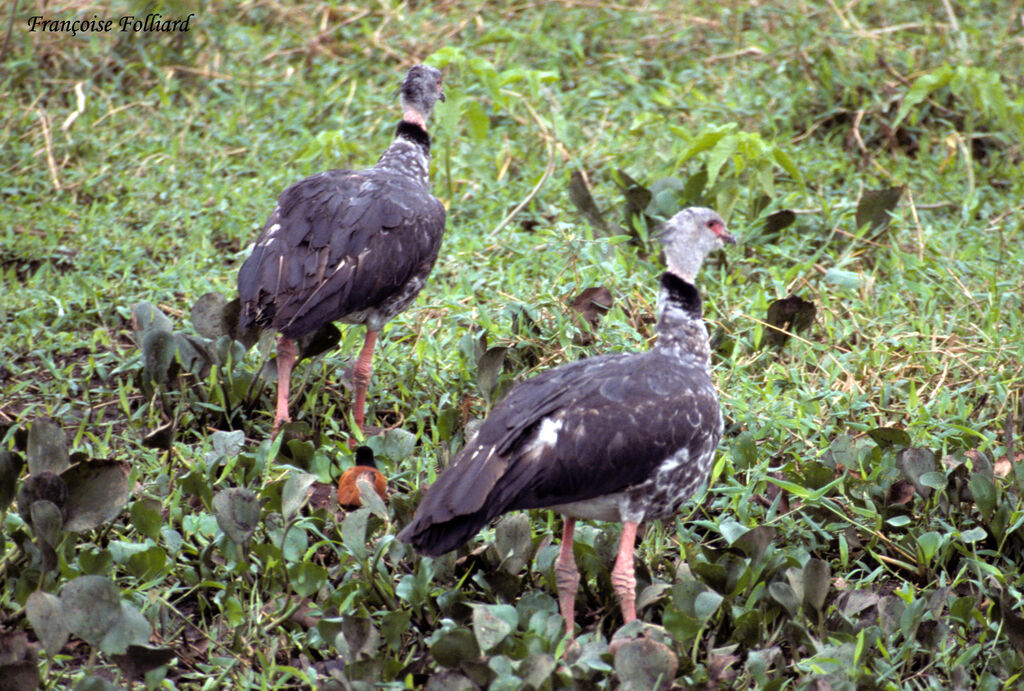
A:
(567, 578)
(285, 362)
(361, 376)
(623, 575)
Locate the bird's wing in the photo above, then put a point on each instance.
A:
(337, 243)
(580, 431)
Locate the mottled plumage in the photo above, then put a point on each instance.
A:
(351, 246)
(619, 437)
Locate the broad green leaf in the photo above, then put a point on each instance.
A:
(642, 664)
(146, 518)
(916, 463)
(148, 563)
(492, 624)
(47, 447)
(97, 492)
(888, 437)
(489, 367)
(787, 164)
(875, 207)
(208, 315)
(228, 444)
(973, 535)
(536, 669)
(158, 349)
(921, 89)
(842, 278)
(928, 544)
(817, 581)
(10, 469)
(238, 513)
(477, 122)
(297, 489)
(732, 530)
(130, 628)
(934, 479)
(394, 625)
(46, 521)
(513, 540)
(744, 451)
(723, 150)
(353, 532)
(784, 594)
(706, 140)
(452, 648)
(147, 317)
(95, 561)
(91, 606)
(706, 604)
(46, 615)
(398, 444)
(306, 578)
(984, 492)
(755, 542)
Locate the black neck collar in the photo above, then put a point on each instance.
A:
(681, 294)
(414, 133)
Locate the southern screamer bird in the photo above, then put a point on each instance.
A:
(350, 246)
(624, 437)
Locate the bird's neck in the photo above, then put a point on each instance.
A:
(686, 264)
(409, 153)
(680, 326)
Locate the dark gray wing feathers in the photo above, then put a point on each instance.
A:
(338, 243)
(617, 418)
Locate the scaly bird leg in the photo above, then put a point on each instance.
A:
(567, 577)
(623, 575)
(361, 377)
(285, 362)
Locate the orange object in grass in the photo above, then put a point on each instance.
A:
(366, 466)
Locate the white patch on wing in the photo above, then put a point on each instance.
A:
(271, 232)
(547, 435)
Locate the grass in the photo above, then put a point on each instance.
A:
(138, 167)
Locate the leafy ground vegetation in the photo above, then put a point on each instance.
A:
(864, 527)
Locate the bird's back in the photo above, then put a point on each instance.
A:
(341, 245)
(640, 428)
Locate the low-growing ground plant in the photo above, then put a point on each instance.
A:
(862, 527)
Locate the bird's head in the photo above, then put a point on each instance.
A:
(364, 457)
(421, 89)
(691, 235)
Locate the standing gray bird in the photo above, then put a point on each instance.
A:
(624, 437)
(350, 246)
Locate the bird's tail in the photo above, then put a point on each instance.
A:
(434, 539)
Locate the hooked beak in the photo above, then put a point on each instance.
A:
(722, 233)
